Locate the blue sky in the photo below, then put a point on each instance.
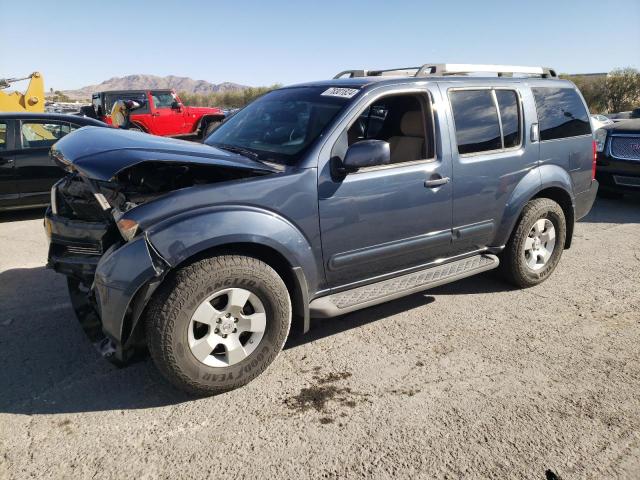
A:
(77, 43)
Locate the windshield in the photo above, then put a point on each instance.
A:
(280, 125)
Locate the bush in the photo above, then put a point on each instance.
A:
(616, 92)
(226, 99)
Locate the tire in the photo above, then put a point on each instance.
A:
(173, 332)
(522, 263)
(135, 128)
(211, 126)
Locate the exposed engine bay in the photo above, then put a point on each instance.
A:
(136, 185)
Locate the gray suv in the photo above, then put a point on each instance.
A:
(315, 200)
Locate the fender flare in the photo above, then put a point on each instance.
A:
(535, 181)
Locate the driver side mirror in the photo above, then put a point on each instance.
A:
(366, 153)
(176, 105)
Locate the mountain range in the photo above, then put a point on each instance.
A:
(138, 82)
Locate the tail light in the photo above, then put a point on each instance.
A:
(593, 162)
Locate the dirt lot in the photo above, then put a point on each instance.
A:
(471, 379)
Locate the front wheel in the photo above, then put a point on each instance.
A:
(536, 245)
(218, 323)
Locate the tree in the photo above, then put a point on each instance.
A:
(623, 89)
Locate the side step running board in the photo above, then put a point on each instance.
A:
(380, 292)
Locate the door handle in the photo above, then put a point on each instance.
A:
(436, 182)
(6, 161)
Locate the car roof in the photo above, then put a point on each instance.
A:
(62, 117)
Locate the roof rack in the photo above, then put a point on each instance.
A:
(442, 69)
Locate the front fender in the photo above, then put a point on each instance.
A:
(182, 237)
(538, 179)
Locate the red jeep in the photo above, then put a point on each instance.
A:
(161, 113)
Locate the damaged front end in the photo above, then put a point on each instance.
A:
(111, 266)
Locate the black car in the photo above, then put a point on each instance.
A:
(26, 171)
(618, 161)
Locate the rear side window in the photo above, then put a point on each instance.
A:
(476, 119)
(561, 113)
(139, 97)
(509, 114)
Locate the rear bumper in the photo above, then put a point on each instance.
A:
(584, 200)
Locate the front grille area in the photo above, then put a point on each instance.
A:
(627, 181)
(627, 148)
(84, 250)
(76, 249)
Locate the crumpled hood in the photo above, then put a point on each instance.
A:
(101, 153)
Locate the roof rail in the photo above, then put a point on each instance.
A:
(441, 69)
(463, 68)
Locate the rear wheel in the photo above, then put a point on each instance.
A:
(211, 126)
(536, 245)
(217, 324)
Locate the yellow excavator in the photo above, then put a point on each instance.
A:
(32, 100)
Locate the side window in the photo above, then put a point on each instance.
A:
(561, 113)
(3, 136)
(162, 99)
(42, 134)
(399, 120)
(476, 119)
(510, 117)
(139, 97)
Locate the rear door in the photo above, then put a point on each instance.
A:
(8, 189)
(565, 132)
(36, 172)
(491, 155)
(166, 120)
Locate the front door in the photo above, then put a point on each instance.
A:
(8, 188)
(166, 119)
(382, 220)
(36, 172)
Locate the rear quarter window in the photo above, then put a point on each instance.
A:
(561, 113)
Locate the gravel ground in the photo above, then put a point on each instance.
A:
(473, 379)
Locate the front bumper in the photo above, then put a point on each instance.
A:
(119, 281)
(618, 175)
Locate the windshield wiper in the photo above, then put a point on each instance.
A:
(242, 151)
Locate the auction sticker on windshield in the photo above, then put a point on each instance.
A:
(340, 92)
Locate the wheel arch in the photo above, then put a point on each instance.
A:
(547, 181)
(562, 198)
